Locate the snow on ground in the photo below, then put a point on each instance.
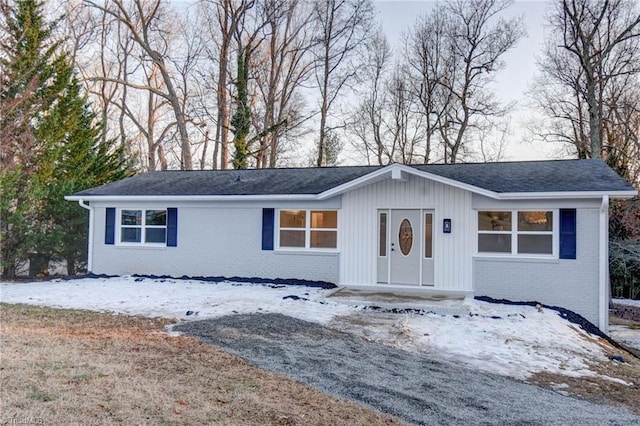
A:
(512, 341)
(624, 334)
(630, 302)
(509, 340)
(170, 298)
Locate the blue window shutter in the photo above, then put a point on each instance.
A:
(267, 228)
(567, 233)
(110, 226)
(172, 227)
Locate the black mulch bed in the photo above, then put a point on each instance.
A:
(253, 280)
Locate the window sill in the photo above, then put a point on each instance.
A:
(518, 259)
(307, 252)
(141, 246)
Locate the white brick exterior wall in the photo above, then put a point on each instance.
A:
(211, 242)
(572, 284)
(225, 239)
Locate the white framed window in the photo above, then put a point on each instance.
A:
(382, 233)
(140, 226)
(428, 235)
(535, 232)
(517, 232)
(308, 229)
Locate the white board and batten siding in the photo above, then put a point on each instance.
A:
(358, 236)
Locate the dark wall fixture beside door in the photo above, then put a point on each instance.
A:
(446, 226)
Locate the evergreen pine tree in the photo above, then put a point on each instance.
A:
(51, 145)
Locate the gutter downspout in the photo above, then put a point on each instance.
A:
(82, 204)
(603, 267)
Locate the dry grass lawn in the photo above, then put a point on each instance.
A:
(76, 367)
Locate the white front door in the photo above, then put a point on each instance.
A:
(405, 247)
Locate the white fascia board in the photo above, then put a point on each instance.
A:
(397, 169)
(564, 195)
(175, 198)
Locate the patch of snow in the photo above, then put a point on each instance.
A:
(170, 298)
(515, 341)
(625, 334)
(616, 380)
(510, 340)
(631, 302)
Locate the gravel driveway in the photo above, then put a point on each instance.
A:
(409, 385)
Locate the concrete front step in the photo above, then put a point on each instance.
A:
(427, 300)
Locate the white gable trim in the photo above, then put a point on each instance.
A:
(396, 171)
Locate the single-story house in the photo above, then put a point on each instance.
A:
(514, 230)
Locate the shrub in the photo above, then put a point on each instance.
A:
(624, 219)
(624, 268)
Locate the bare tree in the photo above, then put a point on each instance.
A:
(430, 62)
(152, 126)
(224, 18)
(492, 138)
(188, 60)
(142, 23)
(589, 75)
(387, 124)
(622, 128)
(247, 41)
(457, 51)
(556, 92)
(343, 27)
(80, 28)
(110, 65)
(603, 37)
(283, 64)
(368, 122)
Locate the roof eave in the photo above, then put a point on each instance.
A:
(167, 198)
(565, 195)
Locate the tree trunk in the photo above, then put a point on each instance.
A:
(222, 127)
(71, 264)
(186, 160)
(322, 143)
(595, 122)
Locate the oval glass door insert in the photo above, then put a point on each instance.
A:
(405, 237)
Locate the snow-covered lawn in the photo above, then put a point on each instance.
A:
(515, 341)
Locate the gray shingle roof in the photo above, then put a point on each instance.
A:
(233, 182)
(536, 176)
